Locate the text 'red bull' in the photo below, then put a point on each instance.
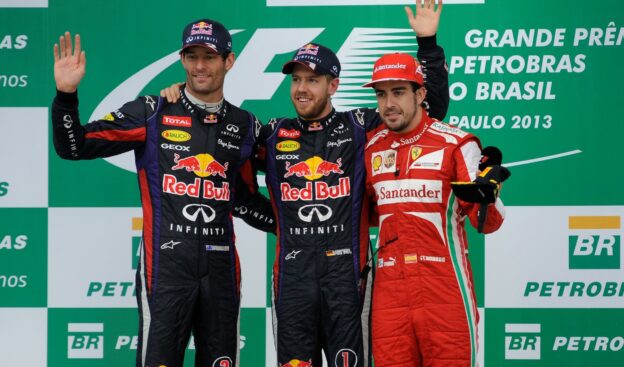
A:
(208, 189)
(316, 190)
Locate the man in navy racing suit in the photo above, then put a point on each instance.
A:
(193, 166)
(315, 174)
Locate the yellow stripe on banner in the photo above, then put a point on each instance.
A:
(594, 222)
(137, 224)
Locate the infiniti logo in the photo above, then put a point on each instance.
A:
(322, 212)
(192, 212)
(68, 121)
(232, 128)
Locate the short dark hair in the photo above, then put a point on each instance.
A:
(223, 55)
(415, 86)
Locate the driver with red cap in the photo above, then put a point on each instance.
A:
(424, 307)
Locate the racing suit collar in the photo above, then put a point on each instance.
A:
(316, 125)
(203, 115)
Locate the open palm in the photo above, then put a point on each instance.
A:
(69, 65)
(425, 22)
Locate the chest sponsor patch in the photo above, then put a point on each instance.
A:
(424, 158)
(288, 146)
(290, 134)
(178, 121)
(383, 162)
(177, 136)
(408, 191)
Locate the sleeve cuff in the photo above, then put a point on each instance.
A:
(427, 42)
(66, 99)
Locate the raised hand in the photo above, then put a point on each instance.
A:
(69, 65)
(425, 22)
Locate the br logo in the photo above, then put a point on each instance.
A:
(85, 341)
(594, 242)
(523, 341)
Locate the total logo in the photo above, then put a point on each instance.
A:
(313, 168)
(288, 133)
(203, 165)
(179, 121)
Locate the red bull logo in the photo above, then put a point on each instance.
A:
(318, 190)
(206, 188)
(300, 169)
(215, 168)
(297, 363)
(308, 49)
(201, 28)
(211, 118)
(203, 165)
(325, 168)
(313, 168)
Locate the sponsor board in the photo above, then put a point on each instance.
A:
(571, 260)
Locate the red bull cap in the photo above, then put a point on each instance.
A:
(209, 34)
(318, 58)
(396, 66)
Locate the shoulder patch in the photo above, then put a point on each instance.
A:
(444, 128)
(380, 135)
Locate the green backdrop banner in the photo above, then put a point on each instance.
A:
(541, 80)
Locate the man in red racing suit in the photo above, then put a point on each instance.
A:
(424, 306)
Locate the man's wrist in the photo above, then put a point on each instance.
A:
(427, 42)
(67, 99)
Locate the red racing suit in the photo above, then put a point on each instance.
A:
(424, 306)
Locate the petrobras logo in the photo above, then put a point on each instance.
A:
(523, 341)
(593, 245)
(408, 191)
(85, 341)
(594, 242)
